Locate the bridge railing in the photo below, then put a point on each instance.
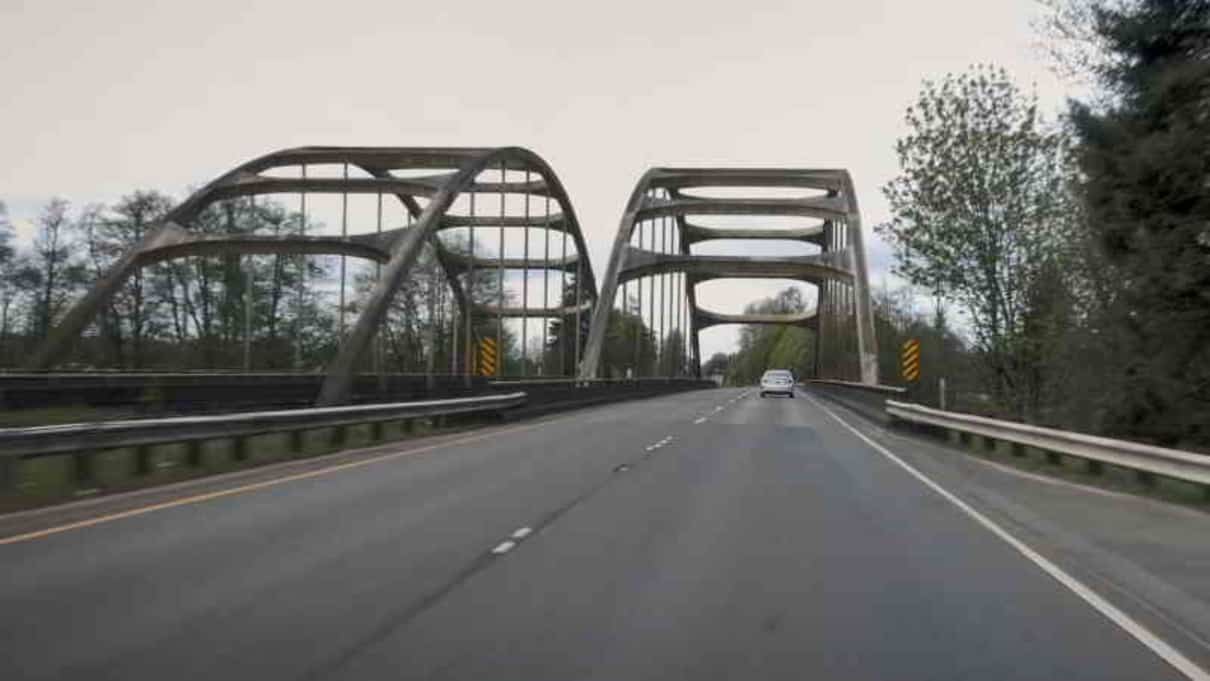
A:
(157, 394)
(546, 395)
(868, 400)
(1146, 461)
(84, 440)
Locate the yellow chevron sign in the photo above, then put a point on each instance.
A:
(487, 357)
(910, 360)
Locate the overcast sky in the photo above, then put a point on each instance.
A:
(104, 97)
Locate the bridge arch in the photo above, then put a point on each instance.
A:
(427, 195)
(671, 201)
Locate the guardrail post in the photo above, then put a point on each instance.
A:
(239, 448)
(82, 466)
(297, 441)
(1018, 450)
(1094, 467)
(144, 463)
(1145, 478)
(10, 468)
(376, 431)
(338, 436)
(408, 426)
(193, 453)
(1054, 458)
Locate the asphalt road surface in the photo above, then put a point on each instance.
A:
(709, 535)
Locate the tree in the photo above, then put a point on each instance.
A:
(1068, 28)
(1141, 149)
(979, 210)
(717, 364)
(59, 271)
(772, 347)
(8, 267)
(616, 356)
(117, 233)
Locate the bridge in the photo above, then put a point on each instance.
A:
(436, 191)
(521, 526)
(655, 241)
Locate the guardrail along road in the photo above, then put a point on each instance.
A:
(706, 535)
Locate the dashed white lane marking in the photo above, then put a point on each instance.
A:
(504, 547)
(1141, 633)
(659, 444)
(522, 533)
(699, 420)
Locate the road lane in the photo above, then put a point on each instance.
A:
(764, 541)
(763, 544)
(278, 576)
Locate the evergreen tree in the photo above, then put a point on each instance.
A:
(1146, 185)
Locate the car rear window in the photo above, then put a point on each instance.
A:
(777, 374)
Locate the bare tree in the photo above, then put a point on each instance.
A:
(60, 272)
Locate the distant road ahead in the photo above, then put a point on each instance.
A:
(761, 540)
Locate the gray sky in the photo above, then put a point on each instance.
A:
(104, 97)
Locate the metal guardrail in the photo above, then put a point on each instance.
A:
(82, 440)
(1147, 459)
(866, 399)
(44, 440)
(558, 394)
(162, 394)
(520, 398)
(864, 387)
(601, 382)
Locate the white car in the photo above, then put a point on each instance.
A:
(777, 382)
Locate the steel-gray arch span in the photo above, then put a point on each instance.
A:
(846, 347)
(411, 175)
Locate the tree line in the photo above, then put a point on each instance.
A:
(271, 312)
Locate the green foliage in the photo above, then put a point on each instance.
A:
(717, 365)
(1142, 152)
(943, 354)
(774, 346)
(980, 210)
(561, 338)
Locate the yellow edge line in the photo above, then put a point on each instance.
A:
(251, 487)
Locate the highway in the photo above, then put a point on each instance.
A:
(708, 535)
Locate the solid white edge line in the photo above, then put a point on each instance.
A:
(522, 533)
(1140, 632)
(504, 547)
